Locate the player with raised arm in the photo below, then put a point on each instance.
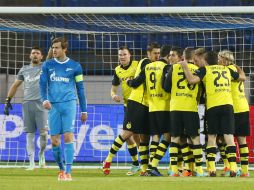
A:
(184, 118)
(34, 115)
(241, 111)
(125, 70)
(61, 77)
(220, 118)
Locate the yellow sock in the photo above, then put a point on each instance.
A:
(153, 148)
(180, 159)
(211, 154)
(197, 152)
(222, 149)
(117, 144)
(134, 153)
(244, 156)
(231, 155)
(186, 156)
(160, 152)
(173, 150)
(144, 155)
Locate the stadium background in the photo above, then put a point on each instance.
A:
(97, 52)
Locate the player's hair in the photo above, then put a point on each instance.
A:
(178, 50)
(152, 45)
(165, 50)
(200, 51)
(188, 53)
(211, 58)
(125, 47)
(37, 48)
(63, 40)
(228, 55)
(50, 54)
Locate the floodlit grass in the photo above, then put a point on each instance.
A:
(93, 179)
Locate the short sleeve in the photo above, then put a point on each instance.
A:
(201, 72)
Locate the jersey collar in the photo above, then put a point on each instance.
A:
(62, 62)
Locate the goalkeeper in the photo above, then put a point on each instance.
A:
(34, 115)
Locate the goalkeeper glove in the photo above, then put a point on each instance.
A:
(7, 106)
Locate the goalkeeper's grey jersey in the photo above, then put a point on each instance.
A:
(30, 75)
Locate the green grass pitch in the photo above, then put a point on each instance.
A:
(93, 179)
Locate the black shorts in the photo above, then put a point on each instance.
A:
(242, 124)
(159, 122)
(137, 118)
(220, 120)
(125, 120)
(184, 123)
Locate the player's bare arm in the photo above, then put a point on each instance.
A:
(114, 95)
(242, 76)
(192, 79)
(14, 88)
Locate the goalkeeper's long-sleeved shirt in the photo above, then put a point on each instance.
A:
(60, 80)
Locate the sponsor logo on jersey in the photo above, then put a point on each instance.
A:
(32, 79)
(53, 77)
(68, 69)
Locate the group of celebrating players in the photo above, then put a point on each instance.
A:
(161, 95)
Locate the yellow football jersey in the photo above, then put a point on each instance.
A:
(139, 94)
(124, 74)
(158, 99)
(240, 102)
(184, 96)
(217, 83)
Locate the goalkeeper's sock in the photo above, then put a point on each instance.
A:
(117, 144)
(57, 152)
(68, 154)
(30, 147)
(43, 144)
(134, 153)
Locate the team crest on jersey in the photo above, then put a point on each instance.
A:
(128, 126)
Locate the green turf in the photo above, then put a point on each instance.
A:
(93, 179)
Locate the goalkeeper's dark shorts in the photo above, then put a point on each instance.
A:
(137, 118)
